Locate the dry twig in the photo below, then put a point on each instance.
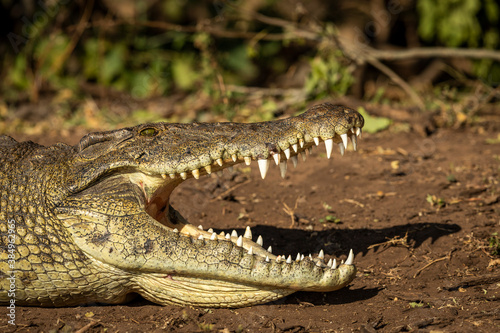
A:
(86, 327)
(354, 202)
(291, 212)
(448, 256)
(395, 241)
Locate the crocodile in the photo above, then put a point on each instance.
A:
(92, 223)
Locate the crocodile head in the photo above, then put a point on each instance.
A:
(117, 209)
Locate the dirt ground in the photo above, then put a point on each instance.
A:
(418, 213)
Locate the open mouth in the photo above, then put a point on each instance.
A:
(120, 217)
(158, 188)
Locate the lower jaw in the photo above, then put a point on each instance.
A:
(182, 290)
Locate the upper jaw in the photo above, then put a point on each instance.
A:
(181, 151)
(193, 150)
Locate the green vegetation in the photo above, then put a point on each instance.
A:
(330, 219)
(435, 201)
(494, 244)
(415, 305)
(225, 60)
(374, 124)
(472, 23)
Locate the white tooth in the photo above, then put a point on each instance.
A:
(303, 154)
(200, 227)
(248, 160)
(213, 236)
(334, 265)
(251, 250)
(222, 233)
(321, 254)
(164, 176)
(329, 147)
(270, 249)
(219, 173)
(295, 147)
(283, 169)
(287, 153)
(318, 263)
(234, 233)
(196, 173)
(210, 230)
(298, 257)
(260, 241)
(239, 241)
(295, 160)
(316, 141)
(183, 175)
(276, 158)
(302, 257)
(344, 139)
(219, 161)
(208, 169)
(267, 259)
(248, 233)
(342, 148)
(278, 259)
(200, 237)
(263, 167)
(350, 258)
(358, 131)
(175, 230)
(234, 157)
(342, 262)
(289, 260)
(330, 262)
(301, 143)
(354, 140)
(228, 236)
(172, 175)
(230, 169)
(310, 256)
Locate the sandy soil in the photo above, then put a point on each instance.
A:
(422, 267)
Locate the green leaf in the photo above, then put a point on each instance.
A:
(416, 305)
(17, 74)
(491, 10)
(113, 63)
(91, 59)
(374, 124)
(184, 72)
(140, 82)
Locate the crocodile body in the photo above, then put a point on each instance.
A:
(92, 222)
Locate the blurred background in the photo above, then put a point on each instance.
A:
(413, 65)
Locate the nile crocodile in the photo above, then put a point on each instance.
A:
(92, 222)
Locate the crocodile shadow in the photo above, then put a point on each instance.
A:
(337, 242)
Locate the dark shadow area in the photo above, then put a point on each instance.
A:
(343, 296)
(337, 242)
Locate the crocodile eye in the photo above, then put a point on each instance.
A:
(148, 132)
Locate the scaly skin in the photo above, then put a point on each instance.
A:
(92, 223)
